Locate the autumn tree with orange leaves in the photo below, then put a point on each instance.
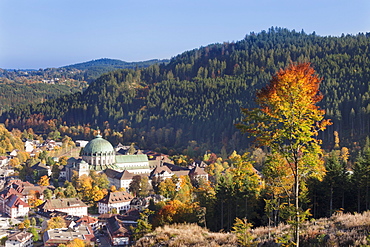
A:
(288, 122)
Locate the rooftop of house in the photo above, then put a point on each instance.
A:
(124, 175)
(160, 169)
(68, 234)
(52, 204)
(40, 166)
(198, 171)
(23, 188)
(117, 228)
(87, 220)
(20, 236)
(14, 202)
(130, 215)
(116, 197)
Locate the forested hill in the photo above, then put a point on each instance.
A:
(114, 63)
(93, 69)
(198, 94)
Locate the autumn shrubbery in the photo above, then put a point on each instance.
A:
(339, 230)
(186, 235)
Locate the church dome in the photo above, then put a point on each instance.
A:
(98, 145)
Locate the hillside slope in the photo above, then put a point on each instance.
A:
(338, 230)
(198, 94)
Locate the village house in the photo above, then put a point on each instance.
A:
(24, 190)
(14, 153)
(91, 222)
(119, 200)
(41, 169)
(19, 239)
(119, 179)
(29, 146)
(15, 196)
(4, 160)
(161, 172)
(55, 237)
(139, 203)
(15, 207)
(119, 232)
(71, 206)
(198, 173)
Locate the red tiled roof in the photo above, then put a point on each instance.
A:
(87, 220)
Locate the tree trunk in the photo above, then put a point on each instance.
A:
(358, 200)
(331, 201)
(222, 215)
(296, 195)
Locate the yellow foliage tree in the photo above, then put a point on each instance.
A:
(288, 122)
(77, 243)
(113, 188)
(44, 181)
(14, 162)
(56, 222)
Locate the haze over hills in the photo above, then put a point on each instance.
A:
(36, 86)
(194, 100)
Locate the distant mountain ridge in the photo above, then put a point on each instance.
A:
(115, 63)
(57, 81)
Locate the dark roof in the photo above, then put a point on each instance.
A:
(130, 215)
(139, 202)
(14, 201)
(117, 228)
(103, 217)
(7, 192)
(40, 166)
(176, 168)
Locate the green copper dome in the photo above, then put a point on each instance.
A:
(98, 145)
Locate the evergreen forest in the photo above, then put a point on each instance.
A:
(192, 102)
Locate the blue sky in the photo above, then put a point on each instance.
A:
(53, 33)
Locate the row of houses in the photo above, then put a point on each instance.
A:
(15, 199)
(117, 227)
(122, 179)
(80, 225)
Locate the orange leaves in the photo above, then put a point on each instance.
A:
(296, 87)
(287, 114)
(177, 212)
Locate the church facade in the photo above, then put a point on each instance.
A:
(99, 155)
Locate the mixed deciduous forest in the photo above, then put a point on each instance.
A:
(195, 99)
